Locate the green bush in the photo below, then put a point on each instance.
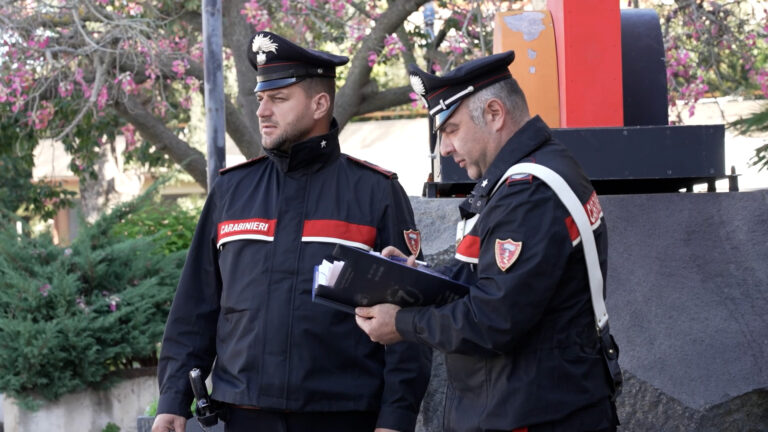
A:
(73, 317)
(111, 427)
(172, 223)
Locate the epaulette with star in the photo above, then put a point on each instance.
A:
(390, 174)
(249, 162)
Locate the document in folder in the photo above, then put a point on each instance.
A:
(351, 277)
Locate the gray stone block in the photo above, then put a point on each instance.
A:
(687, 295)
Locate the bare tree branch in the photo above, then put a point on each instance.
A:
(98, 82)
(350, 95)
(385, 99)
(152, 129)
(238, 127)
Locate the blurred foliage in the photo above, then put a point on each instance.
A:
(171, 224)
(19, 194)
(714, 48)
(72, 318)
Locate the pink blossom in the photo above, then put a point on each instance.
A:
(337, 7)
(762, 80)
(39, 119)
(127, 84)
(255, 15)
(152, 72)
(180, 67)
(415, 98)
(38, 43)
(392, 46)
(372, 57)
(185, 102)
(196, 52)
(44, 289)
(457, 44)
(113, 300)
(193, 83)
(160, 108)
(129, 132)
(372, 9)
(134, 9)
(79, 79)
(101, 100)
(66, 89)
(356, 33)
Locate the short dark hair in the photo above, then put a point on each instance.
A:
(315, 86)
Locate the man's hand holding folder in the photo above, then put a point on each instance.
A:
(394, 254)
(379, 322)
(351, 278)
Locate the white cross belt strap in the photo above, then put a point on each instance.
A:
(574, 206)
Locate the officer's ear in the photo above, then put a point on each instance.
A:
(321, 105)
(494, 113)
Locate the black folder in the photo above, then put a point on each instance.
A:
(367, 279)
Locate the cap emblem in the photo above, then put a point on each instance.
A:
(261, 45)
(418, 85)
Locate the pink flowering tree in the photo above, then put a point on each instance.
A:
(718, 48)
(83, 72)
(715, 48)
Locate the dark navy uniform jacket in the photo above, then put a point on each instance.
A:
(522, 347)
(244, 298)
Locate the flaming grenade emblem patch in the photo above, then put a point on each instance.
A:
(413, 240)
(261, 45)
(418, 86)
(507, 252)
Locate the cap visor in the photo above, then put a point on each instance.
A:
(443, 116)
(275, 84)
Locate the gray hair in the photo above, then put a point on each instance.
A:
(508, 92)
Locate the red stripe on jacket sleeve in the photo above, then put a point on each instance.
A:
(469, 247)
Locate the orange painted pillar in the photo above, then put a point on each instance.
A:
(588, 39)
(532, 36)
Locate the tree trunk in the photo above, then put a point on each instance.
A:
(113, 183)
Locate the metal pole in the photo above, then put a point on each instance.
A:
(214, 88)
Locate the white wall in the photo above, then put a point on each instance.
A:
(87, 411)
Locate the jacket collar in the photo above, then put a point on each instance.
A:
(310, 154)
(532, 135)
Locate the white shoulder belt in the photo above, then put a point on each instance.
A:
(574, 206)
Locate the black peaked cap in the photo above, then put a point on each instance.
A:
(280, 62)
(442, 94)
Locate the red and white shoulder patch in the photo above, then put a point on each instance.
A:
(507, 251)
(594, 213)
